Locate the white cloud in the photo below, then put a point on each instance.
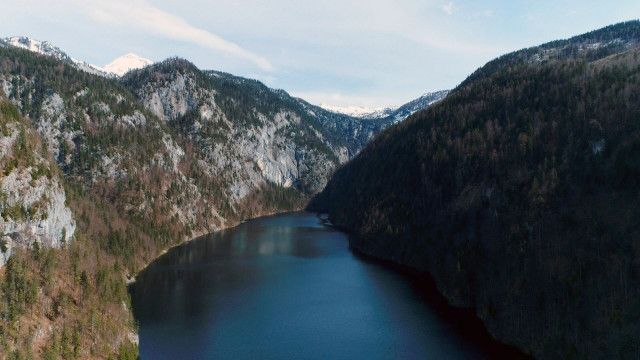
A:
(448, 8)
(143, 16)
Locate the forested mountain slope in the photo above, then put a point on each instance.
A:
(33, 202)
(519, 194)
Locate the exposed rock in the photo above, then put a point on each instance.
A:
(32, 201)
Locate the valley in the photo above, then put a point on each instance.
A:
(135, 165)
(513, 194)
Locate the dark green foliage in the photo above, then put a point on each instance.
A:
(128, 351)
(519, 194)
(9, 112)
(111, 286)
(64, 345)
(19, 288)
(271, 198)
(15, 213)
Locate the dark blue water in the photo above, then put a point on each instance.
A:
(287, 287)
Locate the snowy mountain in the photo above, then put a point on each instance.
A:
(393, 114)
(118, 67)
(40, 47)
(359, 111)
(126, 63)
(48, 49)
(418, 104)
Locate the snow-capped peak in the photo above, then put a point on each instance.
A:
(125, 63)
(118, 67)
(48, 49)
(358, 111)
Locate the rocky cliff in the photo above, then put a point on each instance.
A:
(32, 199)
(244, 131)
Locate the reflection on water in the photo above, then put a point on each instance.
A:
(284, 287)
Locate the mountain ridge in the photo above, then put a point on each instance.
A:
(359, 111)
(398, 113)
(116, 68)
(131, 61)
(48, 49)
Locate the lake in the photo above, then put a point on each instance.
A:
(288, 287)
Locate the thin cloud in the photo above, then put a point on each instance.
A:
(448, 8)
(144, 16)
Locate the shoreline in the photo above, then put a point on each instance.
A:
(130, 279)
(464, 321)
(134, 334)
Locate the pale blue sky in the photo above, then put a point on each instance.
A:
(363, 52)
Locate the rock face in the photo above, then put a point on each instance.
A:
(247, 132)
(247, 149)
(32, 200)
(518, 194)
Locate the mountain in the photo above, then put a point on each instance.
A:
(101, 174)
(120, 66)
(40, 47)
(117, 67)
(518, 194)
(235, 122)
(47, 49)
(125, 63)
(396, 114)
(358, 111)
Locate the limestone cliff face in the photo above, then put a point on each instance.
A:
(243, 129)
(32, 200)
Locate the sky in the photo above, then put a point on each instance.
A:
(370, 53)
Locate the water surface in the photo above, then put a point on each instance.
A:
(287, 287)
